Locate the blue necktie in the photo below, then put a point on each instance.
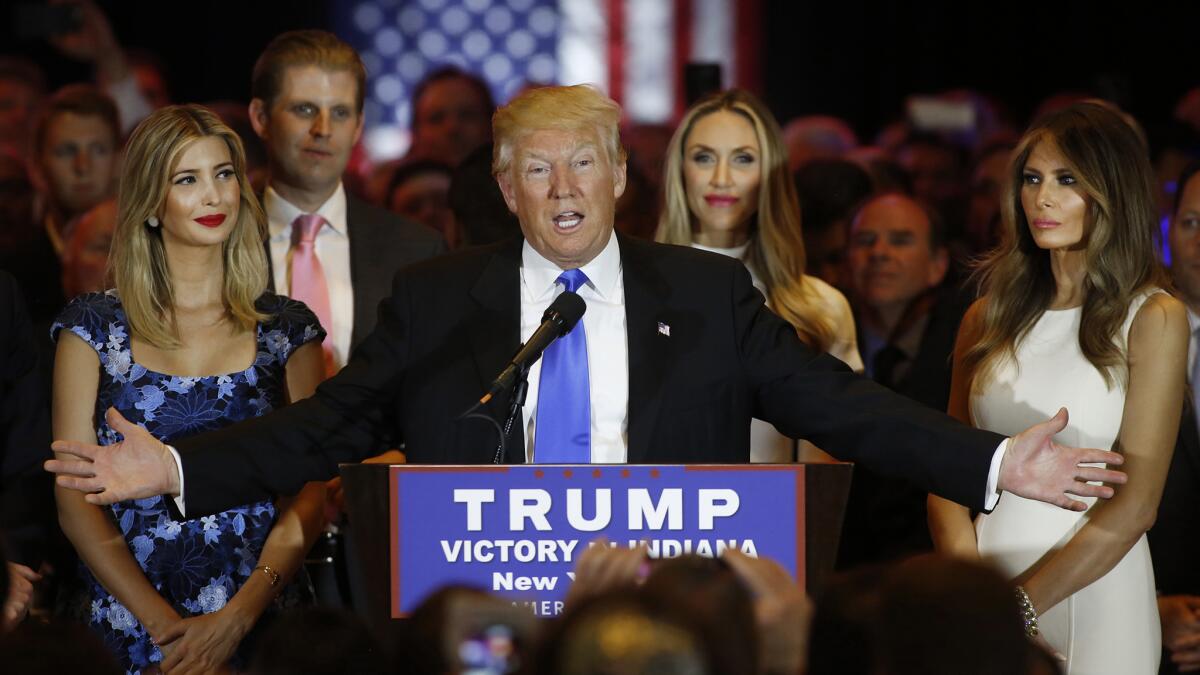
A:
(564, 413)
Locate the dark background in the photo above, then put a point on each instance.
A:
(209, 48)
(850, 58)
(858, 60)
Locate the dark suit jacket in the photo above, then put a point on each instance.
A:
(27, 514)
(928, 377)
(885, 517)
(1175, 537)
(452, 323)
(381, 242)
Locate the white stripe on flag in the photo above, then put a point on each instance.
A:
(582, 43)
(650, 69)
(713, 24)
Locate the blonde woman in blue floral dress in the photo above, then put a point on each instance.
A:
(188, 341)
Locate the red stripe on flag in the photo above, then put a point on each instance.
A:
(683, 53)
(747, 39)
(616, 49)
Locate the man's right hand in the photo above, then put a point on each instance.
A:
(138, 467)
(1035, 467)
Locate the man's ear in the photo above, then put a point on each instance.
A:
(620, 174)
(504, 180)
(358, 129)
(259, 117)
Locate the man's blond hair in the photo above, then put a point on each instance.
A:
(576, 108)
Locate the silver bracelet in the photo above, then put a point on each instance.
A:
(1029, 616)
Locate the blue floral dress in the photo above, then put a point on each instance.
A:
(197, 565)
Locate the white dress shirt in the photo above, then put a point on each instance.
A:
(333, 250)
(607, 346)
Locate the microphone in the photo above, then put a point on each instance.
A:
(558, 320)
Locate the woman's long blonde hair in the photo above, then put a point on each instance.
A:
(1121, 239)
(138, 262)
(776, 248)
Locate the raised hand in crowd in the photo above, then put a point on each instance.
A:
(602, 568)
(1180, 617)
(781, 608)
(20, 595)
(93, 41)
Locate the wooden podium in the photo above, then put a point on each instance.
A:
(368, 495)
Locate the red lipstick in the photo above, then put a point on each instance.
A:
(720, 200)
(214, 220)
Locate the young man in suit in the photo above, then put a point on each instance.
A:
(679, 352)
(326, 247)
(307, 92)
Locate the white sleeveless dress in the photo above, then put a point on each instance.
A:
(1111, 626)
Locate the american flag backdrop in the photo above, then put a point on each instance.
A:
(634, 50)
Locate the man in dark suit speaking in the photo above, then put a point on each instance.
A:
(673, 357)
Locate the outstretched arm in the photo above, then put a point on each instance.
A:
(1157, 353)
(93, 41)
(814, 396)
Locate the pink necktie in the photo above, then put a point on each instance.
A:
(308, 278)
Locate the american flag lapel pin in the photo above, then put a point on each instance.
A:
(664, 329)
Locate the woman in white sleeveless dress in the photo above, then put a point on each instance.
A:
(728, 191)
(1074, 313)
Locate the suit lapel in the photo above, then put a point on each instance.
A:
(361, 245)
(650, 356)
(496, 330)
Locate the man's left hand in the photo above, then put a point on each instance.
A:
(1035, 467)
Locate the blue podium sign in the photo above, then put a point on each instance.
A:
(517, 530)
